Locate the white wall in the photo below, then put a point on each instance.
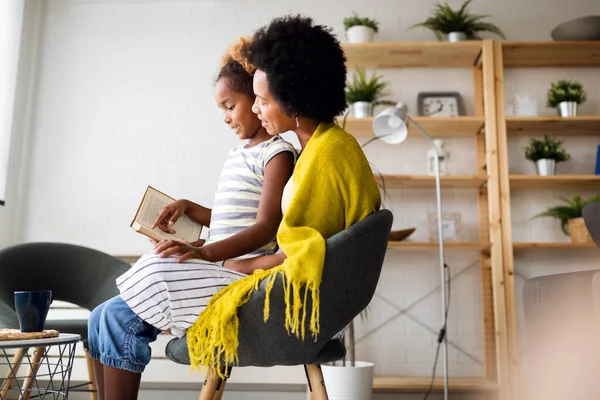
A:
(125, 100)
(11, 18)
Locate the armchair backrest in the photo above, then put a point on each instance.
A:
(75, 274)
(353, 265)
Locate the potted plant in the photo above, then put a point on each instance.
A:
(571, 219)
(546, 153)
(364, 93)
(349, 379)
(457, 25)
(565, 96)
(360, 30)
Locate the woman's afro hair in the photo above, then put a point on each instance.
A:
(305, 66)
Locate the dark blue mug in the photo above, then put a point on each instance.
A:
(32, 309)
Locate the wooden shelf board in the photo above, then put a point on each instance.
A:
(551, 54)
(556, 182)
(528, 126)
(408, 245)
(549, 245)
(428, 182)
(438, 127)
(413, 54)
(128, 258)
(383, 383)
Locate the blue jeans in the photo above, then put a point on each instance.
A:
(118, 338)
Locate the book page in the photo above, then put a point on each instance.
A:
(152, 204)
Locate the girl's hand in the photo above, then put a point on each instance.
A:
(185, 250)
(170, 214)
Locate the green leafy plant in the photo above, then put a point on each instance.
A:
(446, 20)
(371, 89)
(547, 148)
(356, 20)
(565, 90)
(573, 209)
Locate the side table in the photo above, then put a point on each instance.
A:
(49, 367)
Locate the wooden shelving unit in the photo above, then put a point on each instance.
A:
(478, 57)
(452, 246)
(413, 55)
(556, 182)
(536, 55)
(392, 383)
(549, 54)
(440, 127)
(567, 126)
(529, 245)
(428, 182)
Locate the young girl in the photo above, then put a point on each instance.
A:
(168, 290)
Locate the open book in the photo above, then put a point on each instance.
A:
(153, 202)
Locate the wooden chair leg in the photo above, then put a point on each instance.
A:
(213, 386)
(91, 376)
(35, 365)
(316, 383)
(12, 373)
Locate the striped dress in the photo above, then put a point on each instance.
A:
(171, 295)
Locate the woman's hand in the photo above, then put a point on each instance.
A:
(170, 214)
(185, 250)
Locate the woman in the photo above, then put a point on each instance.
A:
(299, 86)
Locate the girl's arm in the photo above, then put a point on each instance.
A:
(277, 173)
(198, 213)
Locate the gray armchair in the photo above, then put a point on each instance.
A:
(75, 274)
(562, 326)
(352, 268)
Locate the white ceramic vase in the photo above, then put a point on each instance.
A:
(567, 109)
(360, 34)
(362, 109)
(455, 37)
(349, 383)
(545, 167)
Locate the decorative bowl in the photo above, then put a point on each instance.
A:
(397, 236)
(584, 28)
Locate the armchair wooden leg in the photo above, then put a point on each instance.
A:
(91, 376)
(316, 383)
(213, 386)
(12, 373)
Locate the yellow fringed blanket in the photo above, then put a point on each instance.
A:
(334, 189)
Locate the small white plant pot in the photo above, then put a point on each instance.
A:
(567, 109)
(545, 167)
(455, 37)
(349, 383)
(362, 109)
(360, 34)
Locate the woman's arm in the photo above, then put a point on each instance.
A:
(250, 265)
(277, 173)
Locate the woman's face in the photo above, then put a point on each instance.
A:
(272, 116)
(237, 110)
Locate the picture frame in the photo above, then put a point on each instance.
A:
(451, 226)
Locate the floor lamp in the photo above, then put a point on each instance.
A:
(391, 126)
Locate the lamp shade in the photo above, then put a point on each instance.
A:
(390, 125)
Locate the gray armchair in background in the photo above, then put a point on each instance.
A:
(562, 321)
(75, 274)
(352, 268)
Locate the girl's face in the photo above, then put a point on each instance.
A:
(272, 116)
(237, 110)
